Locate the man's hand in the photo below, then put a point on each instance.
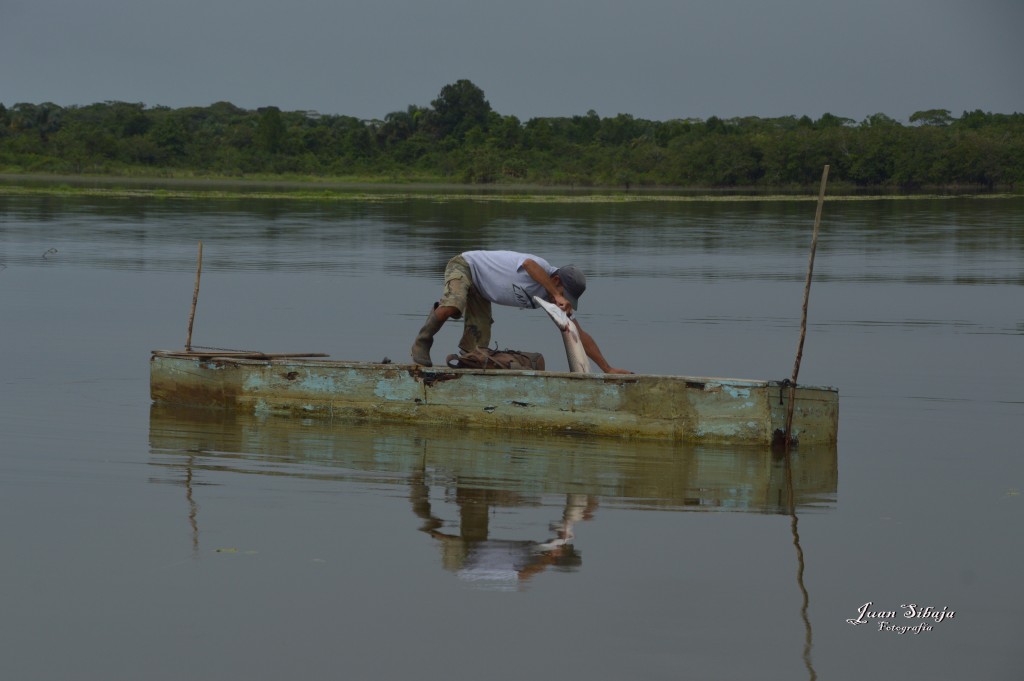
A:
(562, 303)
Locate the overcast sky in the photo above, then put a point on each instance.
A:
(655, 59)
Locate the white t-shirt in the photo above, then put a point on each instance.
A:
(501, 279)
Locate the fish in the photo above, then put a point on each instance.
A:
(579, 363)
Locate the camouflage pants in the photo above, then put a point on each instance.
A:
(460, 293)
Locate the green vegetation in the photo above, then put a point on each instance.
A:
(460, 139)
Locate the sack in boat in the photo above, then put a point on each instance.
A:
(485, 358)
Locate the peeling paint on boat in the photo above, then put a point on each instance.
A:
(736, 391)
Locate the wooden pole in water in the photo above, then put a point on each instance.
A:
(195, 299)
(803, 320)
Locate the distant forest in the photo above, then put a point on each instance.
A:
(460, 138)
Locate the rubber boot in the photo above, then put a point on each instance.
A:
(425, 339)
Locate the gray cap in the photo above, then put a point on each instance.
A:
(573, 284)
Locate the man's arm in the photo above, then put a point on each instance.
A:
(594, 353)
(538, 274)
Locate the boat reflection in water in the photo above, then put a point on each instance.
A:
(465, 476)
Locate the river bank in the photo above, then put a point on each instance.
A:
(284, 188)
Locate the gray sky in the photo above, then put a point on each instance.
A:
(655, 59)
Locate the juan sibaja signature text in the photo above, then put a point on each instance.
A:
(887, 619)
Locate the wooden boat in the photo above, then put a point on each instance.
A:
(640, 406)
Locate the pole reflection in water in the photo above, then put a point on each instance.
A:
(456, 481)
(806, 599)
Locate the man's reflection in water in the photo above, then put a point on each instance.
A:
(500, 563)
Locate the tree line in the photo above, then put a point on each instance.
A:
(460, 138)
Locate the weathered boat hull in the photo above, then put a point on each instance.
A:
(710, 410)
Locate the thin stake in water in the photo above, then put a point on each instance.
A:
(803, 320)
(195, 299)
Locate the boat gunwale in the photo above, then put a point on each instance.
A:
(416, 370)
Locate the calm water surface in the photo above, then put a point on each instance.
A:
(156, 543)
